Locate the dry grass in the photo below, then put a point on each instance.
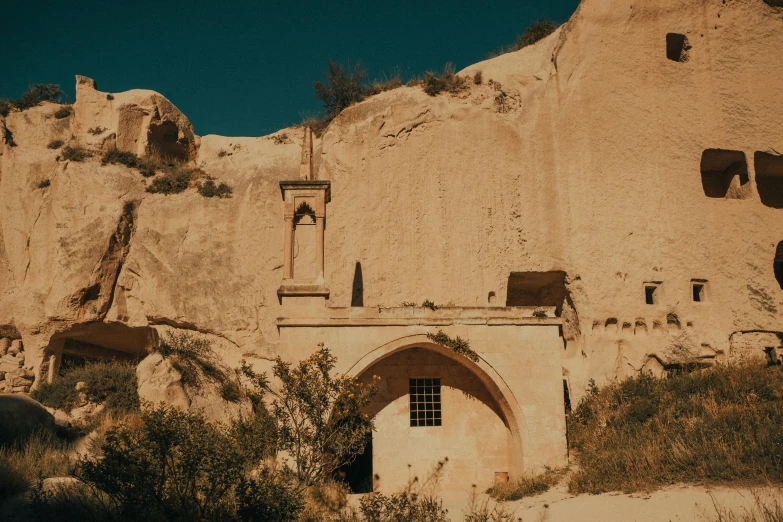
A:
(22, 464)
(526, 487)
(718, 425)
(764, 509)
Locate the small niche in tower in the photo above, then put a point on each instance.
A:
(698, 290)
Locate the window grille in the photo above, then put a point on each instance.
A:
(425, 402)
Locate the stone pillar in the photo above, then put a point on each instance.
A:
(54, 366)
(5, 342)
(288, 248)
(319, 247)
(306, 166)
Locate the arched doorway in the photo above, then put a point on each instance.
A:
(434, 405)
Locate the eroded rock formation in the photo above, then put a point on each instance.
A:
(642, 175)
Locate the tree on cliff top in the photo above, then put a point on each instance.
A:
(535, 32)
(343, 86)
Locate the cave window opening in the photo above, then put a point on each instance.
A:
(778, 264)
(566, 397)
(677, 47)
(719, 169)
(650, 294)
(769, 178)
(698, 290)
(425, 402)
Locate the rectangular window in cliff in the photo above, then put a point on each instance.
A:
(537, 289)
(723, 173)
(677, 47)
(650, 293)
(769, 178)
(425, 402)
(699, 290)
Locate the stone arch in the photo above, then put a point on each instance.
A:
(508, 408)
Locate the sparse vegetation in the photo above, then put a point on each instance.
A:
(75, 153)
(55, 144)
(223, 153)
(96, 130)
(429, 304)
(63, 112)
(487, 511)
(445, 82)
(535, 32)
(477, 78)
(764, 509)
(720, 424)
(209, 189)
(526, 486)
(38, 93)
(173, 182)
(193, 358)
(115, 155)
(281, 138)
(5, 107)
(23, 463)
(458, 345)
(112, 383)
(342, 87)
(44, 183)
(110, 97)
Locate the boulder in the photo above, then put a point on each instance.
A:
(159, 382)
(21, 417)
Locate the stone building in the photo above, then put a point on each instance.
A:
(606, 201)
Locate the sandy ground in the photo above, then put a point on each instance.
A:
(678, 502)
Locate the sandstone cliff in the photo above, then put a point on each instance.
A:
(591, 153)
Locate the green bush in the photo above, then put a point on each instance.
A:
(23, 463)
(267, 498)
(208, 189)
(75, 153)
(446, 82)
(63, 112)
(176, 466)
(110, 382)
(458, 345)
(172, 182)
(38, 93)
(535, 32)
(319, 415)
(55, 144)
(721, 424)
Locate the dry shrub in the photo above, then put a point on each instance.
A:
(63, 112)
(445, 82)
(75, 153)
(55, 144)
(209, 189)
(526, 486)
(25, 462)
(764, 509)
(721, 424)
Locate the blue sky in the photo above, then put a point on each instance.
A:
(246, 68)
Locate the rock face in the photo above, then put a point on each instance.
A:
(160, 383)
(21, 416)
(632, 159)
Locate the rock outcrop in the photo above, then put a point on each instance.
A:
(636, 151)
(21, 417)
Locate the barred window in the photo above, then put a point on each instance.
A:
(425, 402)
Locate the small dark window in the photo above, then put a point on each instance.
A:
(425, 402)
(719, 169)
(698, 292)
(677, 47)
(769, 178)
(649, 294)
(778, 264)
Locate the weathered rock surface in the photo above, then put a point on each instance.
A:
(160, 383)
(21, 417)
(589, 153)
